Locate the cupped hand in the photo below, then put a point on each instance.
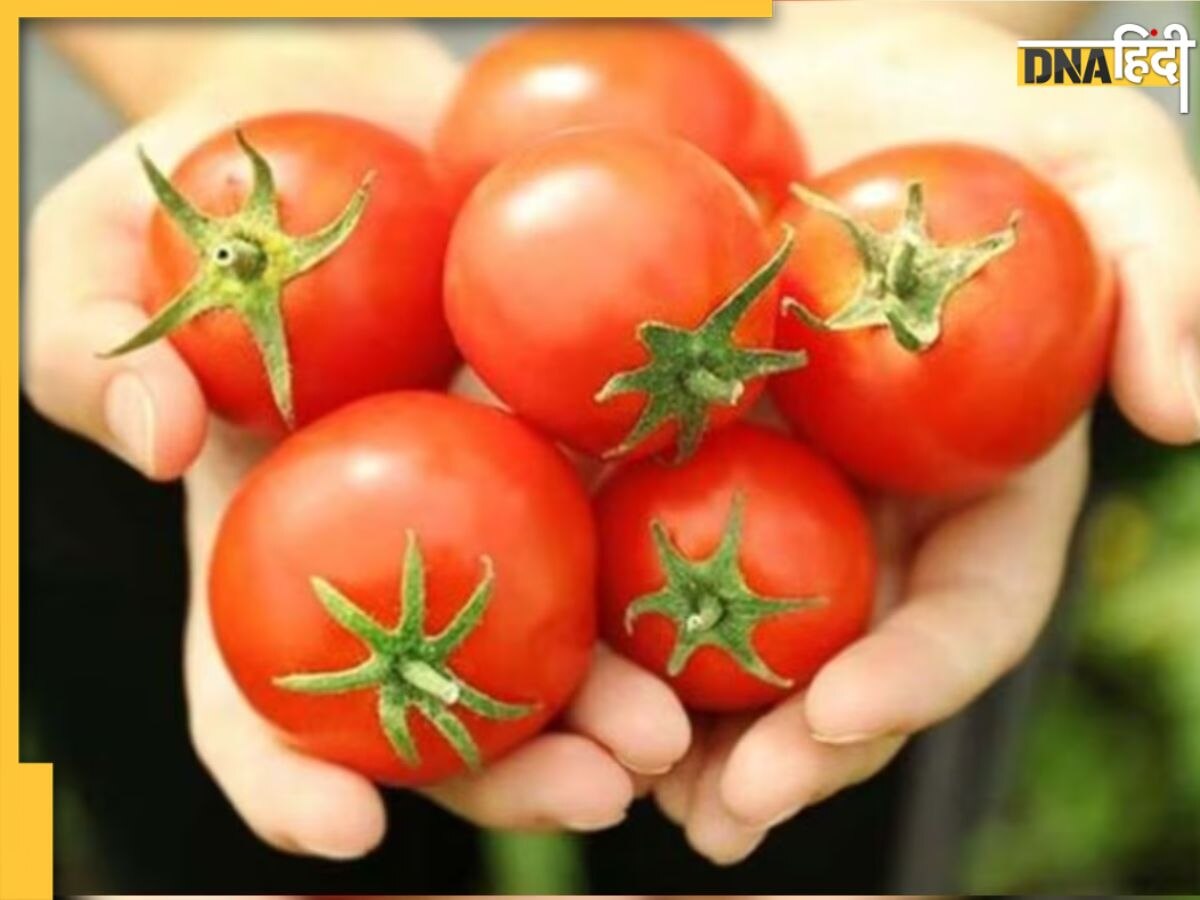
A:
(965, 587)
(147, 408)
(579, 776)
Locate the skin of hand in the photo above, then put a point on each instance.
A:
(84, 269)
(965, 587)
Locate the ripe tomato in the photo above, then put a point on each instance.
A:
(613, 286)
(975, 333)
(738, 574)
(292, 196)
(381, 580)
(540, 80)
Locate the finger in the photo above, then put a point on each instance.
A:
(673, 792)
(294, 802)
(981, 587)
(358, 76)
(86, 260)
(710, 829)
(1141, 202)
(358, 70)
(643, 785)
(554, 781)
(632, 713)
(777, 769)
(145, 408)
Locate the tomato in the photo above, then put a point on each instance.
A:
(544, 79)
(615, 287)
(380, 580)
(737, 574)
(977, 331)
(350, 212)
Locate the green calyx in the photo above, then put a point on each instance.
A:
(245, 260)
(689, 370)
(710, 605)
(409, 668)
(907, 277)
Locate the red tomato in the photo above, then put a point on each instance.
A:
(738, 574)
(540, 80)
(613, 286)
(363, 501)
(994, 377)
(366, 317)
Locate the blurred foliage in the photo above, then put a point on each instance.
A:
(1106, 794)
(524, 863)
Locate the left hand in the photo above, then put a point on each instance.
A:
(966, 588)
(147, 408)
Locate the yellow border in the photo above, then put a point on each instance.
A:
(26, 841)
(25, 790)
(427, 9)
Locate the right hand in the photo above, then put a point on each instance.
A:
(147, 408)
(965, 587)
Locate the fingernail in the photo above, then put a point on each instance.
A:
(789, 813)
(129, 414)
(768, 820)
(838, 740)
(585, 824)
(731, 856)
(1191, 377)
(639, 769)
(340, 854)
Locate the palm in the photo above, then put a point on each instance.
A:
(890, 89)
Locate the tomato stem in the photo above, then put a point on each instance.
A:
(710, 603)
(709, 611)
(901, 278)
(409, 668)
(424, 677)
(244, 262)
(244, 258)
(907, 276)
(711, 387)
(690, 369)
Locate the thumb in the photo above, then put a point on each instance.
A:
(1141, 204)
(145, 408)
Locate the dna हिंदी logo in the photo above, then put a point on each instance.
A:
(1135, 56)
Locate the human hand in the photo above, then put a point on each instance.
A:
(965, 587)
(147, 408)
(622, 720)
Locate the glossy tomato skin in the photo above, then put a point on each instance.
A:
(565, 249)
(544, 79)
(1024, 343)
(804, 534)
(335, 501)
(368, 318)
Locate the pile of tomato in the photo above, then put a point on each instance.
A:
(617, 232)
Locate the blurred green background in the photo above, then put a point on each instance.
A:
(1103, 795)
